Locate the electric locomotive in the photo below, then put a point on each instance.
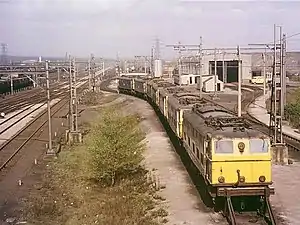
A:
(234, 159)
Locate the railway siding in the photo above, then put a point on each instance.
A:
(258, 110)
(11, 127)
(28, 143)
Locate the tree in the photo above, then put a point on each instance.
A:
(116, 146)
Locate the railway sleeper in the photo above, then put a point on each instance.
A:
(231, 202)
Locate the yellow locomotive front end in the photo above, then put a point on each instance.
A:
(241, 162)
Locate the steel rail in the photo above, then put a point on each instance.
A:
(62, 102)
(30, 137)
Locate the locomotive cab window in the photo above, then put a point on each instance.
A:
(259, 146)
(223, 147)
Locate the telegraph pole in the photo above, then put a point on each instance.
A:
(276, 116)
(118, 65)
(58, 74)
(93, 71)
(50, 150)
(11, 85)
(70, 88)
(151, 62)
(215, 73)
(89, 71)
(223, 67)
(73, 135)
(264, 72)
(103, 71)
(200, 67)
(239, 83)
(284, 68)
(73, 99)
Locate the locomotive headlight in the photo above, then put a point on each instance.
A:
(262, 178)
(241, 146)
(221, 179)
(242, 179)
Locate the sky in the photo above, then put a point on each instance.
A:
(129, 27)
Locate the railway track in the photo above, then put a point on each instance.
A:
(27, 102)
(32, 130)
(247, 100)
(14, 145)
(36, 95)
(33, 97)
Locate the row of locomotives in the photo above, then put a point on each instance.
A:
(178, 103)
(125, 85)
(234, 160)
(163, 97)
(18, 84)
(153, 92)
(139, 87)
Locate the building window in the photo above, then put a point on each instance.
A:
(198, 153)
(191, 80)
(193, 147)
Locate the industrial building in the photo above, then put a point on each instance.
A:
(186, 79)
(226, 65)
(207, 81)
(168, 68)
(158, 68)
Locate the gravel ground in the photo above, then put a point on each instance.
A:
(183, 201)
(286, 201)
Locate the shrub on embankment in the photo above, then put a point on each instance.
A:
(99, 182)
(292, 109)
(292, 114)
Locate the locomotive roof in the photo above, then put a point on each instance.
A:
(184, 100)
(143, 79)
(219, 122)
(136, 77)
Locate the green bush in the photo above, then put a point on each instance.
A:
(292, 109)
(116, 146)
(111, 155)
(292, 113)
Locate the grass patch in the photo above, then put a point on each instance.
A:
(96, 98)
(292, 108)
(99, 182)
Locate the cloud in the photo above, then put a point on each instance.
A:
(129, 26)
